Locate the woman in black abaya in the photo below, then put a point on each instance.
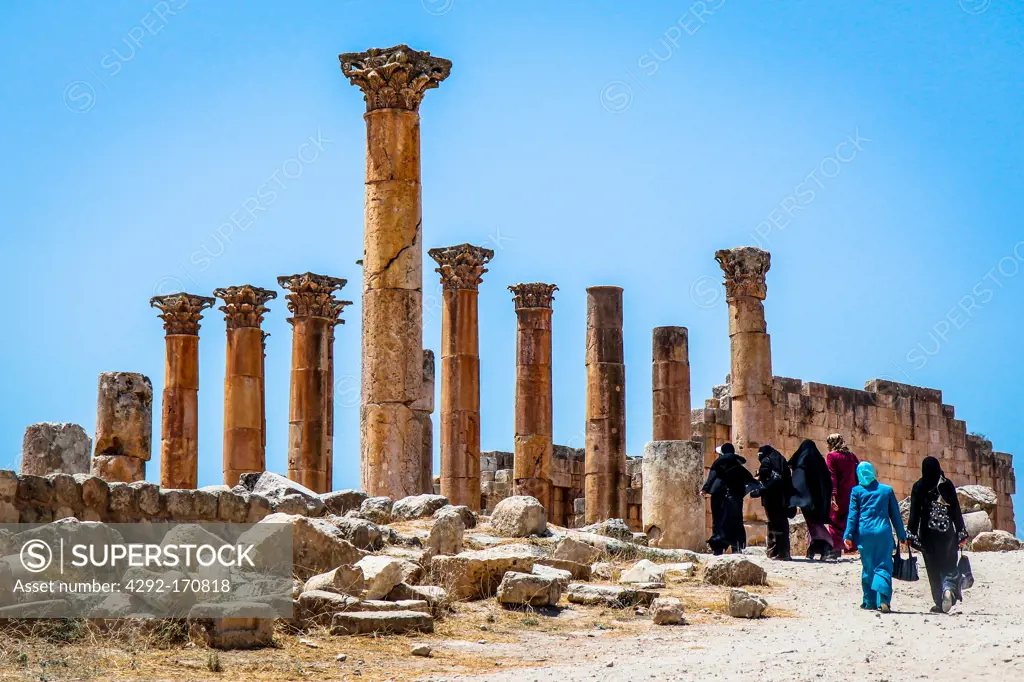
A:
(812, 485)
(937, 528)
(727, 484)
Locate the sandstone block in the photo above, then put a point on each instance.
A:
(360, 532)
(317, 546)
(476, 575)
(341, 502)
(376, 509)
(608, 595)
(977, 523)
(528, 589)
(995, 541)
(434, 596)
(52, 448)
(469, 517)
(446, 532)
(519, 517)
(667, 611)
(576, 570)
(124, 415)
(734, 571)
(385, 623)
(317, 607)
(417, 507)
(643, 571)
(570, 549)
(975, 498)
(610, 528)
(562, 576)
(119, 468)
(380, 605)
(342, 580)
(743, 604)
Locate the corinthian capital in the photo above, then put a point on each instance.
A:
(745, 268)
(244, 306)
(394, 77)
(533, 295)
(312, 295)
(181, 312)
(461, 266)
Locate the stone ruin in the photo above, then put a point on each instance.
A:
(893, 425)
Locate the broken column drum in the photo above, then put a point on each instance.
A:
(461, 268)
(423, 408)
(670, 381)
(605, 465)
(753, 421)
(315, 311)
(179, 428)
(533, 404)
(673, 509)
(124, 427)
(244, 412)
(394, 81)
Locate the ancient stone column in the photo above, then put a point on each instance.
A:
(605, 466)
(753, 421)
(55, 448)
(393, 81)
(423, 408)
(673, 510)
(534, 447)
(460, 268)
(315, 311)
(179, 427)
(124, 427)
(244, 308)
(670, 381)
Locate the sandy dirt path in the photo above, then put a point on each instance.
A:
(828, 637)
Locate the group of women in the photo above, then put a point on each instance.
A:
(845, 507)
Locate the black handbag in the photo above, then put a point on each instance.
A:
(905, 569)
(966, 574)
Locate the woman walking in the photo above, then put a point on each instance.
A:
(812, 493)
(874, 513)
(842, 466)
(937, 527)
(776, 489)
(727, 484)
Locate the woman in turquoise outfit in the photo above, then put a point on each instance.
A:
(874, 513)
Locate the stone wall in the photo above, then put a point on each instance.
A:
(566, 481)
(892, 425)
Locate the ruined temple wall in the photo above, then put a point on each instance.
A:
(567, 470)
(892, 425)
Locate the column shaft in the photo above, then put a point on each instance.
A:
(533, 418)
(179, 428)
(243, 404)
(460, 399)
(308, 403)
(605, 465)
(671, 383)
(673, 509)
(423, 408)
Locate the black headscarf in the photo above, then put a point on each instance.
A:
(931, 473)
(812, 483)
(728, 471)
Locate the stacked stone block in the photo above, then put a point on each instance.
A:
(124, 427)
(50, 448)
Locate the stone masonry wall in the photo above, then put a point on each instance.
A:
(892, 425)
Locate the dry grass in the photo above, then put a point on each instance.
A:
(51, 651)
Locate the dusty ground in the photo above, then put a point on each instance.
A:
(816, 632)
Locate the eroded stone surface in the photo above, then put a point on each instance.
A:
(519, 517)
(51, 448)
(667, 611)
(734, 571)
(743, 604)
(528, 589)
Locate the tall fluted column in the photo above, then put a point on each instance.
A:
(315, 312)
(533, 423)
(670, 381)
(393, 81)
(460, 268)
(605, 465)
(423, 408)
(179, 427)
(753, 421)
(244, 308)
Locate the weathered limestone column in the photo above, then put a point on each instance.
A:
(315, 312)
(55, 448)
(670, 381)
(534, 447)
(244, 411)
(124, 427)
(422, 409)
(179, 427)
(605, 458)
(460, 268)
(263, 388)
(753, 422)
(673, 509)
(393, 81)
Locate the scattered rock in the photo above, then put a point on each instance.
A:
(563, 577)
(52, 448)
(975, 498)
(360, 532)
(743, 604)
(421, 650)
(577, 571)
(469, 517)
(995, 541)
(434, 596)
(976, 523)
(340, 502)
(380, 574)
(446, 532)
(611, 528)
(417, 507)
(342, 580)
(376, 509)
(571, 549)
(284, 494)
(679, 571)
(519, 516)
(734, 571)
(608, 595)
(667, 611)
(643, 571)
(476, 575)
(376, 605)
(233, 625)
(317, 545)
(381, 622)
(317, 607)
(605, 571)
(528, 589)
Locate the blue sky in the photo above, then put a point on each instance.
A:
(872, 147)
